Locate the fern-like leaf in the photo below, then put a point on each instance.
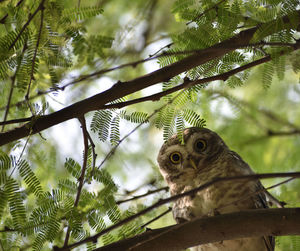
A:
(101, 123)
(267, 74)
(193, 118)
(76, 14)
(5, 164)
(73, 168)
(16, 206)
(115, 131)
(29, 177)
(95, 221)
(135, 117)
(114, 214)
(179, 128)
(105, 178)
(234, 81)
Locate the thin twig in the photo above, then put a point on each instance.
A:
(142, 195)
(93, 153)
(35, 50)
(83, 169)
(2, 20)
(85, 155)
(157, 217)
(161, 49)
(176, 197)
(97, 73)
(15, 121)
(272, 133)
(148, 183)
(19, 159)
(26, 24)
(13, 80)
(267, 113)
(204, 12)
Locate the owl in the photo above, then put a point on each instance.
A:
(202, 157)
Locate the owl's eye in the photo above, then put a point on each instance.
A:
(175, 158)
(200, 145)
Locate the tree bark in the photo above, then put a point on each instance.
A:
(249, 223)
(122, 89)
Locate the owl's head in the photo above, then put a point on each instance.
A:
(183, 161)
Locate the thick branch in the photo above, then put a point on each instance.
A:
(122, 89)
(177, 196)
(189, 83)
(249, 223)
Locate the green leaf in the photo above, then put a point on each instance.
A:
(29, 177)
(73, 168)
(101, 123)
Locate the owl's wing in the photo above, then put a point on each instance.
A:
(262, 203)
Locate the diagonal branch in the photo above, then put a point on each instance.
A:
(189, 83)
(175, 197)
(157, 217)
(2, 20)
(143, 195)
(121, 89)
(135, 63)
(250, 223)
(12, 87)
(207, 10)
(40, 7)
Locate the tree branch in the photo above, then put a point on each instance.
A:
(12, 87)
(135, 63)
(2, 20)
(250, 223)
(189, 83)
(175, 197)
(215, 6)
(83, 169)
(35, 50)
(40, 7)
(157, 217)
(143, 195)
(81, 78)
(122, 89)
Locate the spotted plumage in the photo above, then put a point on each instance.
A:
(203, 157)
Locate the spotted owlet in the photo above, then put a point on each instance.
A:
(203, 157)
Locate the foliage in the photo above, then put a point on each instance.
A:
(53, 53)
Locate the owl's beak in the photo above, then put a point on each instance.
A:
(193, 164)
